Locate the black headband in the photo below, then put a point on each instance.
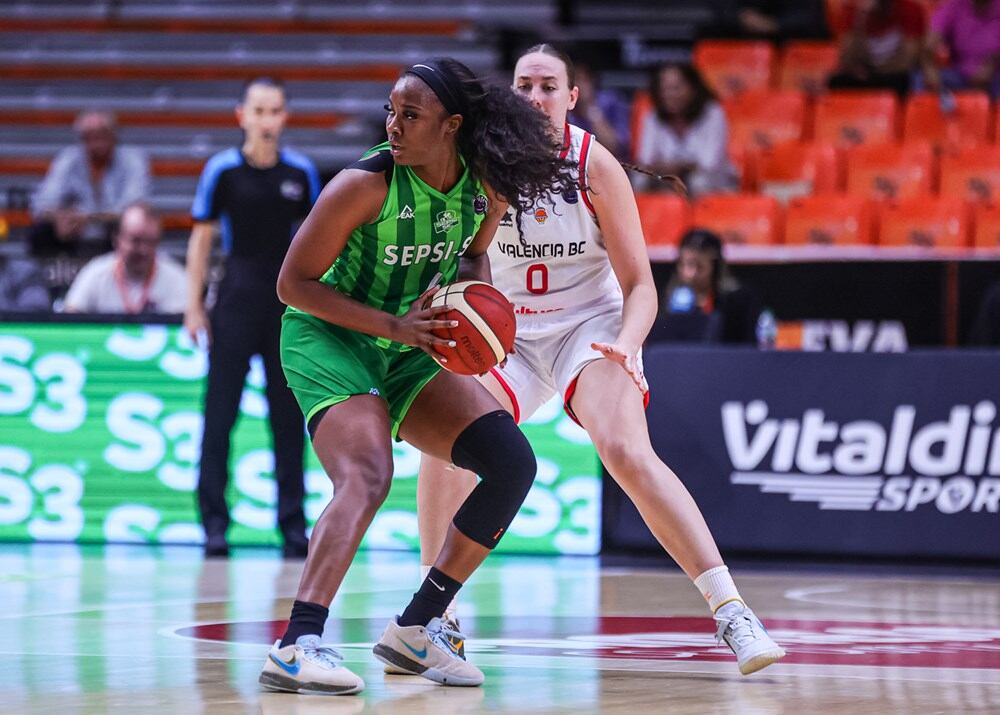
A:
(443, 84)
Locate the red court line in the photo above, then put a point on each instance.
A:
(59, 117)
(37, 166)
(171, 221)
(358, 73)
(338, 27)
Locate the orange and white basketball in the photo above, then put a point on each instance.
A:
(486, 326)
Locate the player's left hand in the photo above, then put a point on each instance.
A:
(628, 359)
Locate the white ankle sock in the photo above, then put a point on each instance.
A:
(717, 586)
(453, 606)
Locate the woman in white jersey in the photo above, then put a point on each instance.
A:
(579, 277)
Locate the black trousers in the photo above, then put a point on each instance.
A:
(240, 330)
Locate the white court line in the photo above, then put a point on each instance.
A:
(178, 602)
(480, 581)
(965, 676)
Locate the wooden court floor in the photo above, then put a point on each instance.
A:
(136, 629)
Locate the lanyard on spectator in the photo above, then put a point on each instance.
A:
(123, 291)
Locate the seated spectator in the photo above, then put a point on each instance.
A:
(703, 303)
(135, 278)
(968, 32)
(86, 188)
(881, 48)
(602, 112)
(687, 134)
(775, 20)
(22, 286)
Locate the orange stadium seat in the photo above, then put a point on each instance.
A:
(793, 169)
(665, 217)
(987, 232)
(926, 221)
(969, 124)
(852, 118)
(733, 67)
(764, 117)
(807, 66)
(829, 219)
(890, 171)
(972, 173)
(744, 158)
(739, 218)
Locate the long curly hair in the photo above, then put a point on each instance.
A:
(509, 143)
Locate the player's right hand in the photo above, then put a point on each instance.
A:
(416, 326)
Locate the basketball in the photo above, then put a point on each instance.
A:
(486, 326)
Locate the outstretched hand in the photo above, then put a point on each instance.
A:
(628, 359)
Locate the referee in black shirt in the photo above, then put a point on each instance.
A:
(255, 195)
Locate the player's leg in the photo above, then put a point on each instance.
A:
(353, 444)
(610, 408)
(442, 487)
(228, 363)
(454, 418)
(288, 437)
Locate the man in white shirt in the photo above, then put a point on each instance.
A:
(135, 278)
(86, 188)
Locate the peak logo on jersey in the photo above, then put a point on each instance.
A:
(480, 204)
(292, 190)
(445, 221)
(541, 215)
(571, 196)
(507, 220)
(406, 214)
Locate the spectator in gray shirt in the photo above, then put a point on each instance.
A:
(86, 188)
(22, 286)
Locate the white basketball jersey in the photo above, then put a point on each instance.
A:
(558, 262)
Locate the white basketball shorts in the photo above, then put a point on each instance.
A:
(550, 351)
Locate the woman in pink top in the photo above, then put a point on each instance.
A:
(969, 32)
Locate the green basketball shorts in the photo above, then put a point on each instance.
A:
(326, 364)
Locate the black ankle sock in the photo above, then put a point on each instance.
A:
(430, 600)
(307, 618)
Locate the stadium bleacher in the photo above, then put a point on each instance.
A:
(172, 72)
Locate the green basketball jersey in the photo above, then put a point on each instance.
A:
(419, 233)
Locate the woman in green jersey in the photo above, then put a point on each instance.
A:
(358, 351)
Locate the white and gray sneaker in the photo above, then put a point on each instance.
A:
(747, 638)
(308, 667)
(453, 632)
(431, 651)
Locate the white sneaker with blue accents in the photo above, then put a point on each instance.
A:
(453, 631)
(308, 667)
(743, 632)
(430, 651)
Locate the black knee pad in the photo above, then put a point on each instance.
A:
(494, 448)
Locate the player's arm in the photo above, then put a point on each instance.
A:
(198, 252)
(474, 264)
(618, 217)
(353, 198)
